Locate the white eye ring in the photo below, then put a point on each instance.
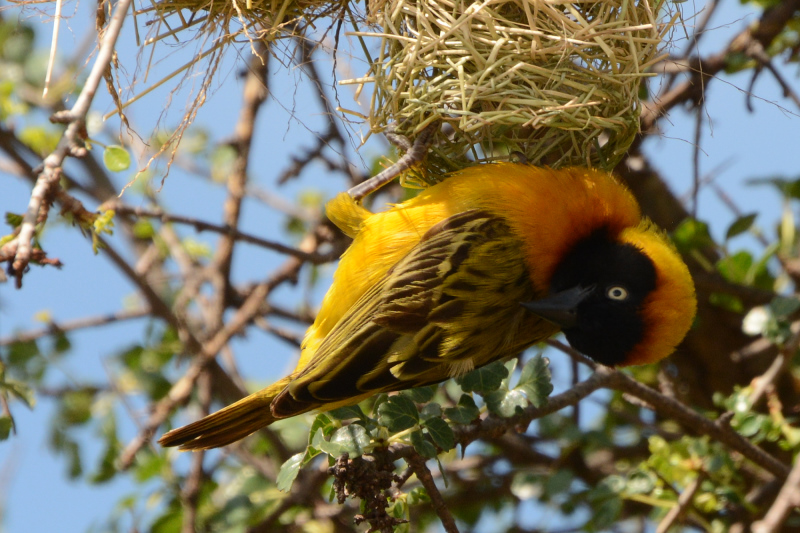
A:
(617, 293)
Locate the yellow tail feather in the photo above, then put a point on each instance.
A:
(227, 425)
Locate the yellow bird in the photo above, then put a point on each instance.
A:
(477, 268)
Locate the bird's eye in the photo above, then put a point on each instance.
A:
(617, 293)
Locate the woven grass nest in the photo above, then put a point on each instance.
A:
(254, 20)
(555, 81)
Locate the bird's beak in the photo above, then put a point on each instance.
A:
(561, 308)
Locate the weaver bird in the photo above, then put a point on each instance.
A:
(477, 268)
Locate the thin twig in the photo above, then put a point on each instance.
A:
(71, 142)
(5, 410)
(255, 94)
(417, 464)
(762, 383)
(201, 225)
(332, 133)
(494, 425)
(293, 339)
(682, 506)
(766, 380)
(758, 52)
(770, 25)
(700, 28)
(718, 430)
(698, 136)
(286, 207)
(788, 500)
(306, 485)
(664, 405)
(182, 389)
(54, 328)
(158, 307)
(190, 492)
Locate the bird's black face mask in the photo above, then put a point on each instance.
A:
(596, 294)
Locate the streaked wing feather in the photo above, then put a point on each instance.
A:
(449, 305)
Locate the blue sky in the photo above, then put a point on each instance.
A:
(37, 495)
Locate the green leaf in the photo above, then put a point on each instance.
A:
(506, 403)
(607, 514)
(691, 234)
(484, 379)
(726, 301)
(107, 469)
(62, 443)
(5, 427)
(143, 229)
(782, 306)
(288, 472)
(116, 158)
(640, 483)
(150, 465)
(534, 380)
(741, 268)
(18, 46)
(61, 343)
(420, 394)
(222, 160)
(418, 495)
(195, 141)
(352, 439)
(169, 522)
(431, 410)
(322, 425)
(347, 413)
(465, 412)
(196, 249)
(20, 353)
(441, 434)
(21, 391)
(738, 61)
(510, 365)
(423, 446)
(734, 268)
(750, 425)
(398, 413)
(104, 223)
(740, 225)
(76, 407)
(557, 483)
(789, 188)
(13, 219)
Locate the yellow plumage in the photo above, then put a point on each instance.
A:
(433, 288)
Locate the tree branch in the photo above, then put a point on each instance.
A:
(182, 389)
(71, 142)
(54, 328)
(417, 464)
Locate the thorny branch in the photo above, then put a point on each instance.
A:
(70, 144)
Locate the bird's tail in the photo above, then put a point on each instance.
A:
(227, 425)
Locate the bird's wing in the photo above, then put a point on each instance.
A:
(450, 305)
